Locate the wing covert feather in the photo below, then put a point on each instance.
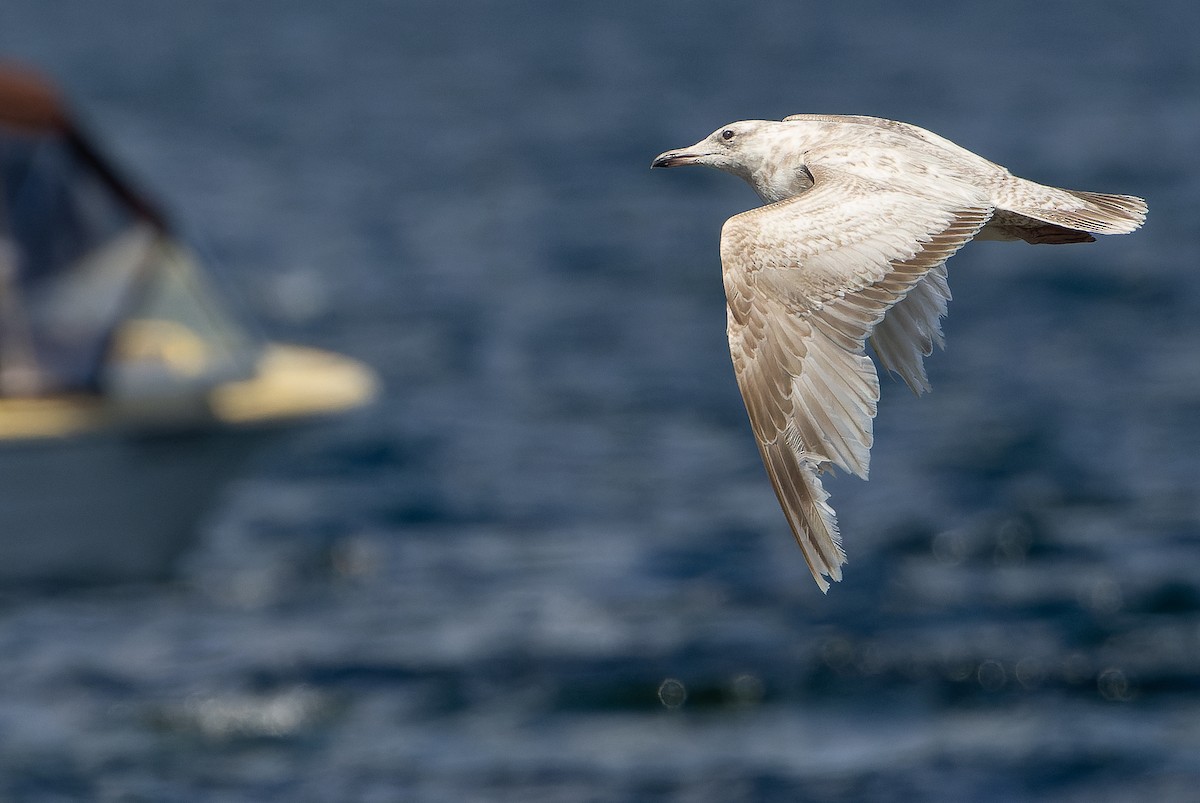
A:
(807, 281)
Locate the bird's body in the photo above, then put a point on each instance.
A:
(861, 215)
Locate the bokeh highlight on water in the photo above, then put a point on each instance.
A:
(548, 566)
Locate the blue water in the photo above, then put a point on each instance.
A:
(548, 565)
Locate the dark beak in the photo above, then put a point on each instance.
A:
(674, 159)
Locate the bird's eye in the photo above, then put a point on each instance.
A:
(727, 134)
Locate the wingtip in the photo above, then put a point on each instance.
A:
(825, 577)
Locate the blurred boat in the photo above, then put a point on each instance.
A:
(129, 393)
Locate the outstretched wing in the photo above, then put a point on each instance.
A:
(806, 281)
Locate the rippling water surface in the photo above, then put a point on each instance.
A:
(548, 566)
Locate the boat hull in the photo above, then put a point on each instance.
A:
(111, 507)
(97, 491)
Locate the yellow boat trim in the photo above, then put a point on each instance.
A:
(21, 419)
(295, 382)
(292, 382)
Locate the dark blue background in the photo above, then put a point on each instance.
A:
(477, 589)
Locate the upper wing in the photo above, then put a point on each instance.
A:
(908, 129)
(806, 281)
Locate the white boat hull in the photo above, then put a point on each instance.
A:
(110, 507)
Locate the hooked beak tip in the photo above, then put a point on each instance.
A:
(672, 159)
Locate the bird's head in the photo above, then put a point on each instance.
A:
(725, 149)
(754, 150)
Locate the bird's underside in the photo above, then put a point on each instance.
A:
(855, 254)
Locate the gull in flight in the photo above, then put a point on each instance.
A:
(860, 215)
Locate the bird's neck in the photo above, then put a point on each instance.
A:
(780, 173)
(780, 181)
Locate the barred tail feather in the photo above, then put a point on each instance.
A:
(1105, 213)
(1095, 212)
